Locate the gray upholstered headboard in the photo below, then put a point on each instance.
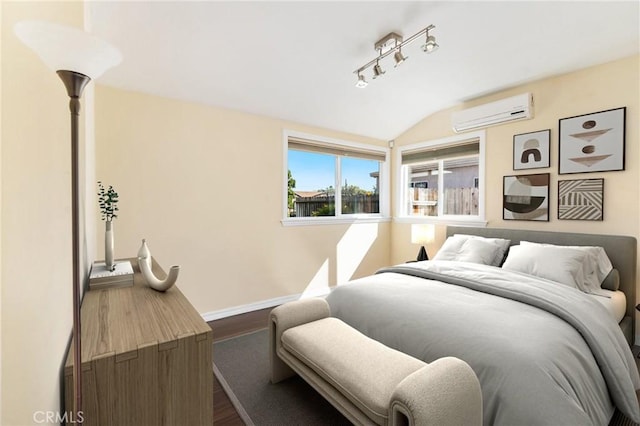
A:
(620, 249)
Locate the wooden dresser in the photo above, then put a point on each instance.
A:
(146, 358)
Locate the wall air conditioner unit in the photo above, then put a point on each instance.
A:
(503, 111)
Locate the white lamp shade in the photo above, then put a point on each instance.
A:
(67, 48)
(422, 233)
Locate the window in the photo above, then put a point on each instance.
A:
(443, 180)
(331, 180)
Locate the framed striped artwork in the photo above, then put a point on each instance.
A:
(581, 199)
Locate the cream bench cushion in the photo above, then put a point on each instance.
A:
(368, 382)
(362, 369)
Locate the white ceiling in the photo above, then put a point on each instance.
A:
(295, 60)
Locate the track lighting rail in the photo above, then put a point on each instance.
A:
(399, 43)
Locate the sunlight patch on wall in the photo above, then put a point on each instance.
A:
(319, 284)
(352, 248)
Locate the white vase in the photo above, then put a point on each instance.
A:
(144, 255)
(108, 246)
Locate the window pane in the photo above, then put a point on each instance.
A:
(442, 179)
(460, 183)
(360, 179)
(311, 184)
(423, 189)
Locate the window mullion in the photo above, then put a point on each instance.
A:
(440, 188)
(406, 196)
(409, 192)
(338, 189)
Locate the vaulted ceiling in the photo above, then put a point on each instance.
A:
(295, 60)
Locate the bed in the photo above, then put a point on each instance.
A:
(546, 352)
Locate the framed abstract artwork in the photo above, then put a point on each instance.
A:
(531, 150)
(592, 142)
(581, 199)
(526, 197)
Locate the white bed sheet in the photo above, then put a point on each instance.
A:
(614, 301)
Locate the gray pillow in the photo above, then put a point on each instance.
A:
(612, 281)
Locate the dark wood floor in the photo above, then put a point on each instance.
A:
(223, 412)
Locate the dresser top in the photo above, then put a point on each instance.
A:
(118, 321)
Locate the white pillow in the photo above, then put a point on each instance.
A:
(503, 247)
(468, 248)
(562, 265)
(477, 251)
(596, 265)
(450, 248)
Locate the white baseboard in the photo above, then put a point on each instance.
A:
(256, 306)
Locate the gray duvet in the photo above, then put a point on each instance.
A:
(545, 354)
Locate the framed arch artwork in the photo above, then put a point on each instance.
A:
(531, 150)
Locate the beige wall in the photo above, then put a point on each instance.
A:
(204, 186)
(598, 88)
(606, 86)
(172, 160)
(36, 269)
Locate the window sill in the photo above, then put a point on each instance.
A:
(457, 221)
(310, 221)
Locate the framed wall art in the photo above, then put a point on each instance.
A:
(526, 197)
(581, 199)
(592, 142)
(531, 150)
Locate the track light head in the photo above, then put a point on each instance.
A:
(377, 71)
(399, 58)
(362, 83)
(430, 44)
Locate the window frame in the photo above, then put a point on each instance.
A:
(383, 190)
(400, 196)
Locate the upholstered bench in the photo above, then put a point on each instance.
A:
(368, 382)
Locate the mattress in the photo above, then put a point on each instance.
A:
(614, 301)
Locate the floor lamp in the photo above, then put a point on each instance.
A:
(77, 57)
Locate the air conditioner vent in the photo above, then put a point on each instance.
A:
(503, 111)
